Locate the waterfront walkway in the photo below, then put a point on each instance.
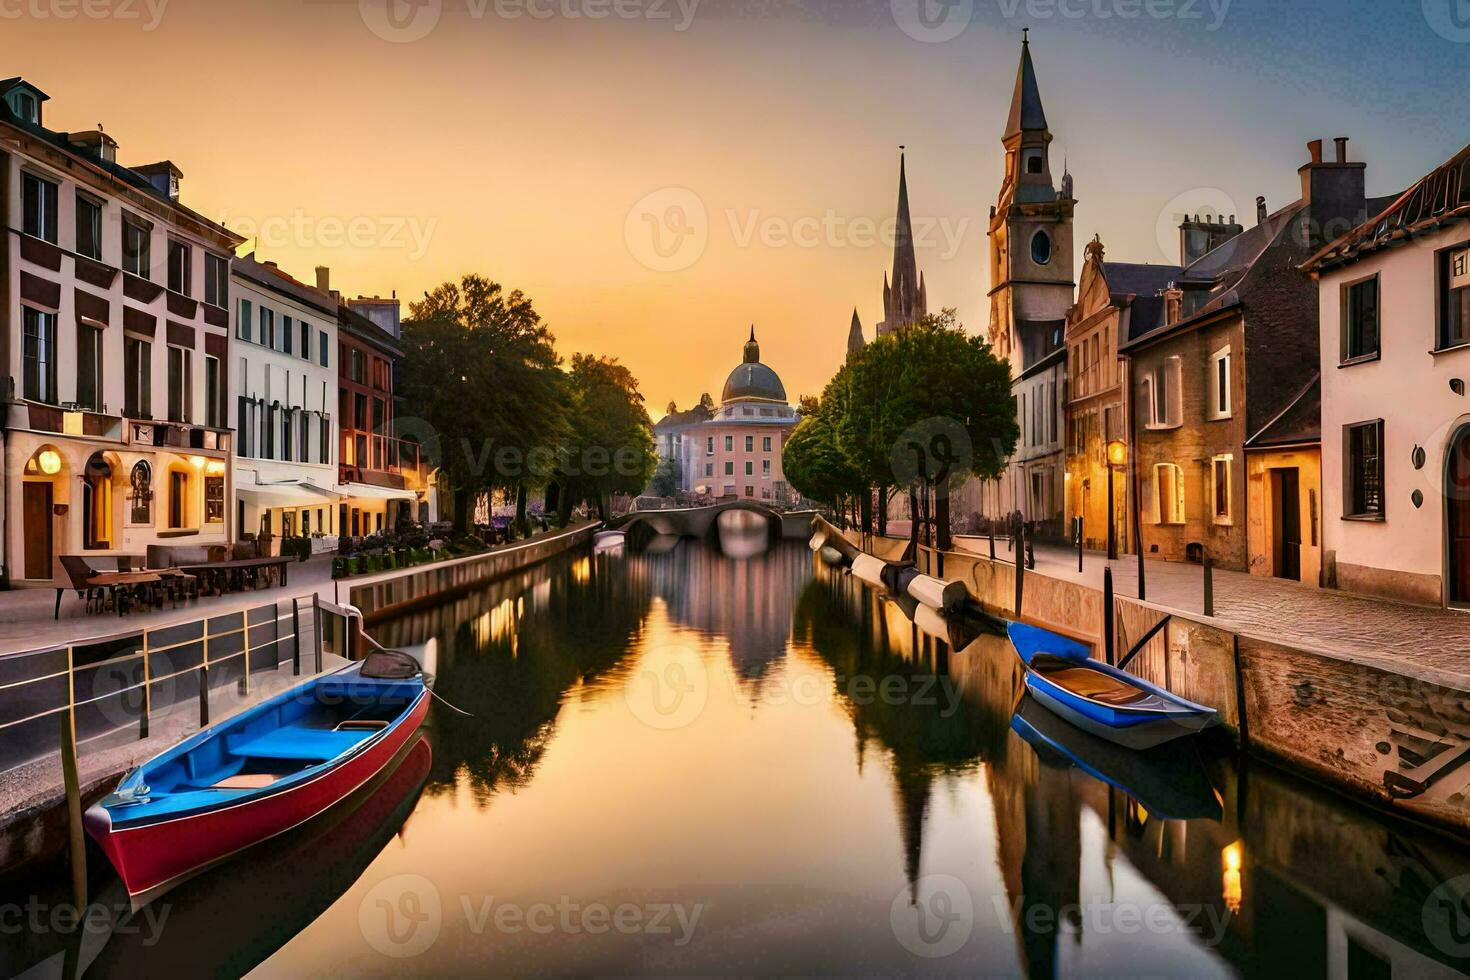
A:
(1290, 613)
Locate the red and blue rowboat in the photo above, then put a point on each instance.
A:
(260, 773)
(1103, 700)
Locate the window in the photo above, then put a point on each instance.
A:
(97, 504)
(1169, 501)
(1220, 487)
(39, 355)
(729, 468)
(135, 248)
(89, 227)
(709, 469)
(765, 467)
(137, 378)
(324, 447)
(287, 431)
(178, 498)
(1454, 297)
(765, 444)
(89, 367)
(1360, 320)
(216, 281)
(357, 367)
(140, 497)
(729, 443)
(1041, 248)
(38, 203)
(1363, 458)
(324, 340)
(287, 334)
(749, 468)
(267, 328)
(1032, 161)
(180, 267)
(750, 444)
(306, 340)
(1160, 395)
(1219, 404)
(180, 385)
(214, 405)
(243, 321)
(709, 444)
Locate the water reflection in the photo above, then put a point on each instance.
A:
(772, 743)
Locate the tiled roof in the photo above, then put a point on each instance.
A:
(1138, 278)
(1437, 199)
(1299, 422)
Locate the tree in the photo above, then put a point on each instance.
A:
(665, 479)
(480, 369)
(815, 465)
(607, 447)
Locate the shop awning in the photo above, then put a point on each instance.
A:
(366, 491)
(290, 493)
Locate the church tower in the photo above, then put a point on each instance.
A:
(1030, 233)
(904, 298)
(854, 334)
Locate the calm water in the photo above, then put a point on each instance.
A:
(684, 762)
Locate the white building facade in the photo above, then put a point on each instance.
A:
(283, 396)
(1395, 350)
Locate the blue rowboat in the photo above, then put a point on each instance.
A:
(258, 774)
(1103, 700)
(1167, 781)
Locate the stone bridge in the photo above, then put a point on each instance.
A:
(702, 522)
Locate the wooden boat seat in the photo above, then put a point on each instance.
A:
(294, 743)
(1094, 685)
(247, 780)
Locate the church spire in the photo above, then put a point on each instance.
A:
(855, 334)
(1026, 112)
(903, 300)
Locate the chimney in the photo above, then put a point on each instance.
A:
(1173, 304)
(1333, 193)
(1198, 236)
(324, 278)
(1260, 208)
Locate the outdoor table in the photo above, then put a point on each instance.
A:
(126, 582)
(213, 570)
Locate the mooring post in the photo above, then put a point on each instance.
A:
(296, 636)
(316, 626)
(76, 837)
(992, 542)
(1109, 640)
(1020, 570)
(1209, 586)
(1079, 543)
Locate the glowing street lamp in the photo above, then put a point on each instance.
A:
(49, 461)
(1117, 457)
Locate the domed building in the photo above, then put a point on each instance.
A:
(733, 449)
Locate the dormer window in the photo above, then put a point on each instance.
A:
(26, 106)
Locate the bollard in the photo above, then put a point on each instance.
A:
(1079, 544)
(295, 636)
(204, 696)
(76, 837)
(1209, 586)
(1020, 577)
(1030, 555)
(992, 542)
(316, 626)
(1109, 640)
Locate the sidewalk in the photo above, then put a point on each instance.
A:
(1274, 609)
(26, 621)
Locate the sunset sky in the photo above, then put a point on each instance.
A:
(534, 149)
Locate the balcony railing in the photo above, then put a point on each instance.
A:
(372, 452)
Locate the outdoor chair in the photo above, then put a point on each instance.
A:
(78, 572)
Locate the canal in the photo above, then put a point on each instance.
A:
(703, 759)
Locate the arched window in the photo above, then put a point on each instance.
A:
(141, 494)
(97, 503)
(1041, 248)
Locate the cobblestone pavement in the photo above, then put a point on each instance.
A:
(1275, 609)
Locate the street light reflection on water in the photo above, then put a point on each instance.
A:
(684, 761)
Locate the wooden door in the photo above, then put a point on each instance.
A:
(1289, 524)
(1458, 517)
(36, 508)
